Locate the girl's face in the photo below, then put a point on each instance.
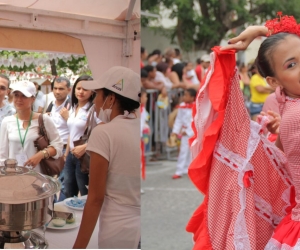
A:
(286, 65)
(81, 93)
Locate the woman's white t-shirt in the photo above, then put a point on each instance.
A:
(77, 123)
(10, 139)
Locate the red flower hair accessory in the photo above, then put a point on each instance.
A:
(286, 24)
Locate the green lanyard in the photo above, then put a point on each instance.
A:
(23, 140)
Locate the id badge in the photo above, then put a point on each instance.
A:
(21, 158)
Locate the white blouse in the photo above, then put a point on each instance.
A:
(11, 145)
(77, 123)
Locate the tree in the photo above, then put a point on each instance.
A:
(204, 27)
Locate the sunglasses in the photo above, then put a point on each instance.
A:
(3, 88)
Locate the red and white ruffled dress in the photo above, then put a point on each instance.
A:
(243, 176)
(287, 234)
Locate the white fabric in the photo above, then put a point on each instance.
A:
(205, 111)
(39, 101)
(191, 74)
(10, 141)
(183, 121)
(276, 245)
(48, 98)
(175, 61)
(59, 121)
(6, 110)
(160, 77)
(184, 157)
(118, 141)
(77, 124)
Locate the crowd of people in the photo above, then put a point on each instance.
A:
(112, 181)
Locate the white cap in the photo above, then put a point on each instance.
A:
(205, 58)
(120, 80)
(27, 88)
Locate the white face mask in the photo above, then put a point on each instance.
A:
(104, 115)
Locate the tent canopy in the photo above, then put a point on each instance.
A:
(106, 31)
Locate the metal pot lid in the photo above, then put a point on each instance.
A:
(20, 185)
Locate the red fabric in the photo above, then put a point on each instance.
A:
(198, 70)
(218, 178)
(143, 169)
(142, 65)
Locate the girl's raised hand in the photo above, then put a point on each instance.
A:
(242, 41)
(274, 121)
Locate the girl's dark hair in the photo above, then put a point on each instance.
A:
(178, 68)
(162, 67)
(263, 60)
(192, 92)
(125, 103)
(74, 100)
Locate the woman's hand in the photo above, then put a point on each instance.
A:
(79, 151)
(242, 41)
(64, 113)
(274, 121)
(34, 160)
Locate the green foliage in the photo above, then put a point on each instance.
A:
(206, 28)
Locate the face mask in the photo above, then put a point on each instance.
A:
(154, 63)
(104, 115)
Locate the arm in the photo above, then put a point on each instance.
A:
(67, 149)
(4, 142)
(264, 89)
(278, 143)
(97, 186)
(242, 41)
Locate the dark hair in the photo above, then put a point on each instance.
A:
(125, 103)
(263, 60)
(198, 61)
(39, 86)
(6, 78)
(154, 52)
(192, 92)
(63, 79)
(162, 67)
(144, 73)
(74, 100)
(148, 68)
(178, 67)
(142, 50)
(177, 51)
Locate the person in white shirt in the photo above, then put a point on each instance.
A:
(58, 110)
(182, 128)
(191, 74)
(6, 109)
(81, 103)
(19, 131)
(114, 148)
(48, 98)
(39, 103)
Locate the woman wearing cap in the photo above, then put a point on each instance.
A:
(114, 147)
(18, 132)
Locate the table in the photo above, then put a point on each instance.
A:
(64, 239)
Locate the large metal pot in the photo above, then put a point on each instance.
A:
(24, 197)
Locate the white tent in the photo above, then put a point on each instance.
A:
(106, 31)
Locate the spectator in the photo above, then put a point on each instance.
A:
(191, 74)
(259, 93)
(182, 129)
(58, 110)
(150, 83)
(81, 103)
(39, 103)
(144, 55)
(6, 109)
(199, 70)
(177, 58)
(19, 131)
(48, 98)
(155, 57)
(162, 75)
(205, 63)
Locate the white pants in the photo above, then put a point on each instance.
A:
(184, 157)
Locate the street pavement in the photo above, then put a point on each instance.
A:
(167, 206)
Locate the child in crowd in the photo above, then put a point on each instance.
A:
(191, 73)
(182, 128)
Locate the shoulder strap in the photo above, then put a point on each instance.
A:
(42, 129)
(67, 104)
(49, 107)
(89, 122)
